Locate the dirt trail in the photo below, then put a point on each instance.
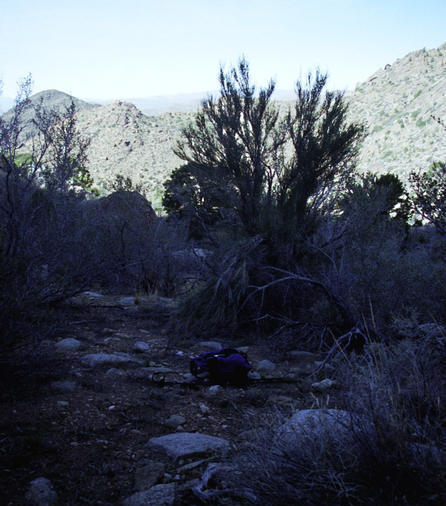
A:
(85, 427)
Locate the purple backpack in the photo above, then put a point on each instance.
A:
(222, 366)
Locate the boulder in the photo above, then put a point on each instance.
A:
(159, 495)
(315, 423)
(41, 493)
(188, 444)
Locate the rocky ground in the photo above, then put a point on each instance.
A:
(107, 411)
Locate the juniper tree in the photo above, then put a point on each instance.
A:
(232, 147)
(271, 171)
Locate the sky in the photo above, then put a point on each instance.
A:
(115, 49)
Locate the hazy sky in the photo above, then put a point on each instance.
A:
(137, 48)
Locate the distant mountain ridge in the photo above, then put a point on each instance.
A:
(397, 103)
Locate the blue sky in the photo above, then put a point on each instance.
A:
(110, 49)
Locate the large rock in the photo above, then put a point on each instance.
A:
(159, 495)
(41, 493)
(99, 359)
(188, 444)
(316, 423)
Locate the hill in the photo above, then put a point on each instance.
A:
(125, 141)
(49, 99)
(398, 104)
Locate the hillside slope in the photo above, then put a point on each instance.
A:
(397, 103)
(49, 99)
(125, 141)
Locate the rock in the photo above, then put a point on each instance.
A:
(314, 423)
(63, 386)
(92, 295)
(149, 475)
(188, 444)
(41, 493)
(211, 345)
(204, 409)
(323, 386)
(188, 377)
(141, 347)
(159, 495)
(127, 301)
(266, 367)
(174, 421)
(68, 344)
(99, 359)
(215, 389)
(254, 375)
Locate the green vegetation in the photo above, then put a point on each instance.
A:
(417, 94)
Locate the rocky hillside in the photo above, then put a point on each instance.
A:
(125, 141)
(398, 104)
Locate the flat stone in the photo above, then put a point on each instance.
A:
(141, 347)
(99, 359)
(159, 495)
(68, 344)
(211, 345)
(187, 444)
(149, 475)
